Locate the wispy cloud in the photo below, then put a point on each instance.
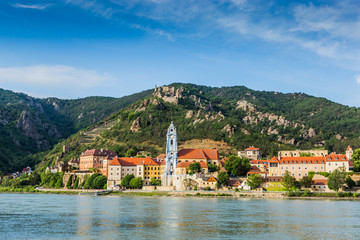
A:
(93, 6)
(57, 75)
(33, 6)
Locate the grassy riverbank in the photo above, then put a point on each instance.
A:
(231, 194)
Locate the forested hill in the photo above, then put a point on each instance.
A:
(29, 125)
(233, 116)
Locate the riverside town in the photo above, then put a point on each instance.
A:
(192, 170)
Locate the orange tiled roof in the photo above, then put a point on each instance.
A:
(186, 164)
(252, 149)
(302, 160)
(336, 158)
(208, 154)
(348, 148)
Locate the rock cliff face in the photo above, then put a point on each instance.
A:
(34, 128)
(254, 117)
(168, 94)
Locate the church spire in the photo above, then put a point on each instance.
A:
(171, 150)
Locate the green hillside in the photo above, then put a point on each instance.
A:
(29, 125)
(237, 116)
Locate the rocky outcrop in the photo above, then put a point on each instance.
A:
(28, 125)
(229, 130)
(254, 117)
(189, 114)
(168, 94)
(309, 133)
(135, 126)
(245, 105)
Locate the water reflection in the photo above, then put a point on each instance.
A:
(88, 217)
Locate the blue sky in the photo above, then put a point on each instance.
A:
(79, 48)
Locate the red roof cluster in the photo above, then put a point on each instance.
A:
(208, 154)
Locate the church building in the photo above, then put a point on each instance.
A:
(177, 162)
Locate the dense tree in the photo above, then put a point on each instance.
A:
(223, 178)
(89, 183)
(99, 182)
(337, 179)
(76, 183)
(136, 182)
(306, 182)
(356, 160)
(288, 181)
(125, 182)
(155, 182)
(213, 168)
(131, 152)
(350, 182)
(194, 168)
(237, 166)
(254, 181)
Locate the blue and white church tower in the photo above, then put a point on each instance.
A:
(171, 151)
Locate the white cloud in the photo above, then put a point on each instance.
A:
(54, 76)
(34, 6)
(357, 79)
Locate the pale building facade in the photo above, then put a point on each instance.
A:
(300, 166)
(297, 153)
(335, 161)
(146, 168)
(251, 153)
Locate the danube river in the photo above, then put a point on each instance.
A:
(47, 216)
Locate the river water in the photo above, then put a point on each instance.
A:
(40, 216)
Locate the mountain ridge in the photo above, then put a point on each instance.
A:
(237, 116)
